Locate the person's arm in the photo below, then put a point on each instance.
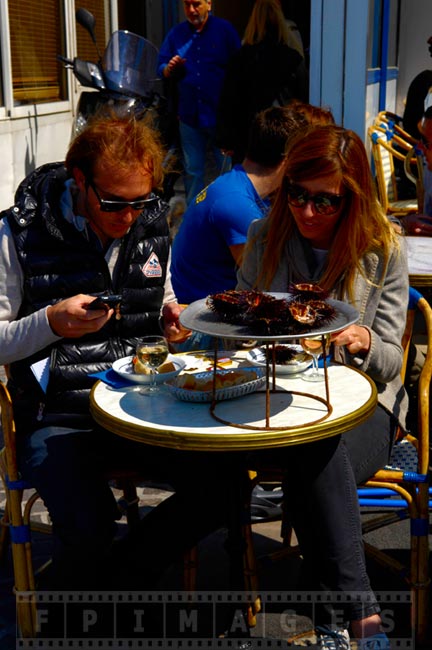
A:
(22, 337)
(417, 224)
(251, 262)
(169, 61)
(237, 253)
(169, 295)
(25, 336)
(170, 312)
(384, 318)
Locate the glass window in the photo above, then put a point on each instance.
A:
(1, 83)
(37, 36)
(85, 47)
(383, 32)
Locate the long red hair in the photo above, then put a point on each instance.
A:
(330, 151)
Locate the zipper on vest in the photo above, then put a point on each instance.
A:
(40, 412)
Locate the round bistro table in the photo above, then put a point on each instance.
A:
(162, 420)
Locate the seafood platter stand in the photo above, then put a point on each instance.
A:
(283, 409)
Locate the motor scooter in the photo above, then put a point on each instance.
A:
(123, 80)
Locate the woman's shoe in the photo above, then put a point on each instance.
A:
(332, 638)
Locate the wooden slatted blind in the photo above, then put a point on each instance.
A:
(37, 36)
(85, 46)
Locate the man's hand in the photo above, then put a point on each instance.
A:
(71, 318)
(173, 331)
(417, 224)
(173, 64)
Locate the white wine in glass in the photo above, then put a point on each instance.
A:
(152, 351)
(313, 345)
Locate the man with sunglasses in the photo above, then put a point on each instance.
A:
(92, 226)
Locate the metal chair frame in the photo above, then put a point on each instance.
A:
(16, 525)
(392, 122)
(410, 487)
(386, 147)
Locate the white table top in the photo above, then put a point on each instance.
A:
(420, 260)
(163, 420)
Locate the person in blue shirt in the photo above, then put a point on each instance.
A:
(195, 55)
(209, 244)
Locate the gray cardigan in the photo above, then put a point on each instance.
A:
(381, 297)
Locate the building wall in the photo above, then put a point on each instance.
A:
(25, 144)
(32, 138)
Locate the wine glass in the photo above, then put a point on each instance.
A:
(152, 351)
(315, 346)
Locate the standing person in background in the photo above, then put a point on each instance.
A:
(421, 224)
(294, 37)
(264, 72)
(196, 53)
(416, 101)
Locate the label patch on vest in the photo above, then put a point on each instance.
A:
(152, 268)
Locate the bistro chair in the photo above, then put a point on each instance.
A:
(17, 524)
(393, 124)
(401, 489)
(387, 148)
(413, 167)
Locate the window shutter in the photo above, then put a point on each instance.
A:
(37, 36)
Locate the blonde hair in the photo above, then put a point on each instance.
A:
(124, 142)
(266, 19)
(363, 227)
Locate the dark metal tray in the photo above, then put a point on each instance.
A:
(200, 318)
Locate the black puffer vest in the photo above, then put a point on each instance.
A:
(58, 262)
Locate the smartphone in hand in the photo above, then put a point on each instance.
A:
(106, 302)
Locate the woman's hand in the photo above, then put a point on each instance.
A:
(355, 338)
(417, 224)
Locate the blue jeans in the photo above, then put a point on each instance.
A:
(195, 143)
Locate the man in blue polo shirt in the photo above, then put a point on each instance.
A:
(207, 249)
(195, 53)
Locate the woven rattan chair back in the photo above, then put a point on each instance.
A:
(387, 148)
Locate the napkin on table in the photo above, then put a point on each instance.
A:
(111, 378)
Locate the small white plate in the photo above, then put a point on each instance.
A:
(257, 358)
(124, 368)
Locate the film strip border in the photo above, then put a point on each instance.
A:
(190, 620)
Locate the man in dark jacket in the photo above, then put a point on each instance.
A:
(88, 227)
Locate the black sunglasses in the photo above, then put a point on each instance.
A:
(107, 205)
(323, 203)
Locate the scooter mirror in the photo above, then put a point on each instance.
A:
(88, 21)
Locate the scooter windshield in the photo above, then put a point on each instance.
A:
(130, 64)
